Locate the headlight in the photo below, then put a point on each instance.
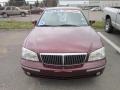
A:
(97, 55)
(29, 55)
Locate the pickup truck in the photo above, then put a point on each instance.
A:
(12, 10)
(111, 17)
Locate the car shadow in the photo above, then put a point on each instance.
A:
(116, 32)
(68, 83)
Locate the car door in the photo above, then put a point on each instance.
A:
(9, 10)
(118, 20)
(15, 11)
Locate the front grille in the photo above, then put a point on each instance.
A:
(63, 58)
(74, 59)
(51, 59)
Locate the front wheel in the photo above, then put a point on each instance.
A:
(5, 15)
(23, 14)
(108, 26)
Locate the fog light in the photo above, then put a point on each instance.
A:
(28, 73)
(98, 73)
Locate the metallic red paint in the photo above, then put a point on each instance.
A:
(89, 68)
(63, 40)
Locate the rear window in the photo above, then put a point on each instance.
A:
(8, 8)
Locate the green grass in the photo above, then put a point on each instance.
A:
(15, 25)
(98, 25)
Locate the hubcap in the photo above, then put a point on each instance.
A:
(107, 26)
(23, 14)
(5, 15)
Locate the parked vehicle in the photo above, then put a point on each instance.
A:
(36, 10)
(86, 8)
(96, 9)
(12, 10)
(63, 46)
(111, 18)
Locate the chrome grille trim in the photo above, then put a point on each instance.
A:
(63, 59)
(63, 53)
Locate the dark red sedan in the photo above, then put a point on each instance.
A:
(36, 10)
(63, 44)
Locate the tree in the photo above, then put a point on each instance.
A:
(45, 3)
(50, 3)
(17, 2)
(55, 2)
(37, 3)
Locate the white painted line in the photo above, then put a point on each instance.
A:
(117, 48)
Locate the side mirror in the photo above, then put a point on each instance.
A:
(91, 22)
(34, 22)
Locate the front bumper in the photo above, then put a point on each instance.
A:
(88, 69)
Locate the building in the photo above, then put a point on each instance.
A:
(73, 3)
(101, 3)
(104, 3)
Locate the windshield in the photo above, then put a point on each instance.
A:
(62, 18)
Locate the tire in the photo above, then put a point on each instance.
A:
(23, 14)
(108, 26)
(4, 15)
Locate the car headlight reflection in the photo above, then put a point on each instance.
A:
(29, 55)
(97, 55)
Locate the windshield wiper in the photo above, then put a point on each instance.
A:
(58, 25)
(46, 25)
(68, 25)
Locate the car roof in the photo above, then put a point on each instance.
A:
(63, 8)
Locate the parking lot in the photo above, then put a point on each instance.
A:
(13, 78)
(32, 17)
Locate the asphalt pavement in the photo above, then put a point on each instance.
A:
(115, 36)
(12, 76)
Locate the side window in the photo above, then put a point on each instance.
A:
(13, 8)
(8, 8)
(16, 9)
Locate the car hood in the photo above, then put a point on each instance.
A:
(63, 40)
